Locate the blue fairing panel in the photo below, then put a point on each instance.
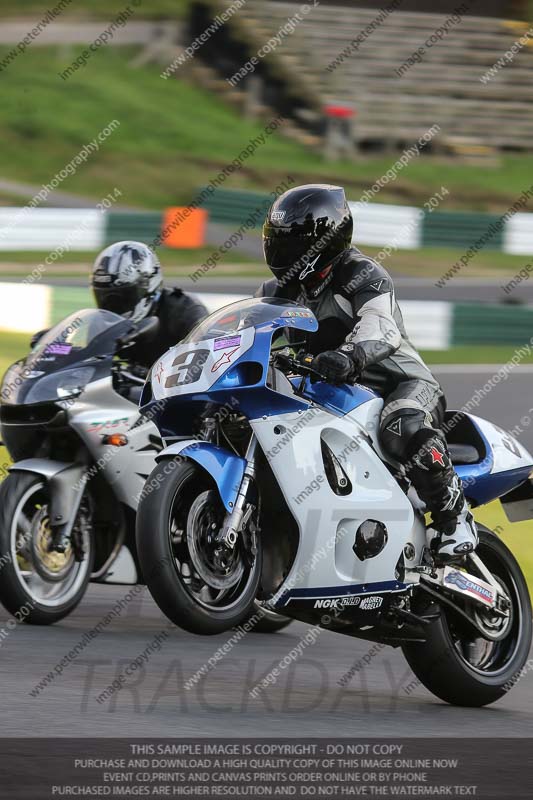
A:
(502, 469)
(337, 399)
(484, 487)
(226, 469)
(262, 401)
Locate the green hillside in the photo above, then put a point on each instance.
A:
(174, 137)
(95, 9)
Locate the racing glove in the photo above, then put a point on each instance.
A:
(343, 365)
(336, 367)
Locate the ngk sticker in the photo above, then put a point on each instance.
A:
(338, 602)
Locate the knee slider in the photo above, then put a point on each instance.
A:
(399, 429)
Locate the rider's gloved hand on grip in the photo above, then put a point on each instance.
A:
(336, 367)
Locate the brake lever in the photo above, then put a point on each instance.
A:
(301, 366)
(304, 366)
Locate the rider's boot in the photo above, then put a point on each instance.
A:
(453, 538)
(452, 533)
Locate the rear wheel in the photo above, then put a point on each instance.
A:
(199, 587)
(461, 665)
(38, 586)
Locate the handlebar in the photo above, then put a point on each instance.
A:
(301, 365)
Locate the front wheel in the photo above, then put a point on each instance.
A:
(198, 587)
(38, 586)
(459, 664)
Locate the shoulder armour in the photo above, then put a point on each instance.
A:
(360, 273)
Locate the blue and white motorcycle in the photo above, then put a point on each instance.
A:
(287, 496)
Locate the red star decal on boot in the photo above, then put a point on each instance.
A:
(437, 456)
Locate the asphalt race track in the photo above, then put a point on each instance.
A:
(508, 404)
(407, 288)
(382, 699)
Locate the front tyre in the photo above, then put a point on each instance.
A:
(176, 526)
(457, 663)
(38, 586)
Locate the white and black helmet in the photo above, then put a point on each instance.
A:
(127, 279)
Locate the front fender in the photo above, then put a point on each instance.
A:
(66, 484)
(225, 468)
(46, 467)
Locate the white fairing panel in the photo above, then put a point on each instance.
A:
(100, 412)
(507, 452)
(328, 522)
(195, 367)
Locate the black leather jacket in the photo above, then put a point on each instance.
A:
(178, 313)
(358, 308)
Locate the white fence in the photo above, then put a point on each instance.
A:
(518, 235)
(50, 229)
(376, 224)
(399, 227)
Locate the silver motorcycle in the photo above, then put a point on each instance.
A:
(82, 451)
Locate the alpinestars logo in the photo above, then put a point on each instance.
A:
(310, 268)
(454, 494)
(224, 359)
(437, 456)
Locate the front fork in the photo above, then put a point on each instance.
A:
(238, 517)
(65, 503)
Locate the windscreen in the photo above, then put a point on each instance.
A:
(231, 319)
(84, 334)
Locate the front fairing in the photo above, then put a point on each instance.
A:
(225, 360)
(71, 354)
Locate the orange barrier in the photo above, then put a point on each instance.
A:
(184, 227)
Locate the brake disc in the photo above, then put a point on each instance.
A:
(219, 568)
(51, 566)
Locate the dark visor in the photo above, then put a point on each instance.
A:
(119, 301)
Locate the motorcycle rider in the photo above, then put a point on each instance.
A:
(127, 279)
(307, 240)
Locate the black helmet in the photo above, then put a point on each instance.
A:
(305, 230)
(127, 279)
